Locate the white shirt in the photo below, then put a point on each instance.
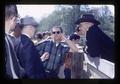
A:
(57, 43)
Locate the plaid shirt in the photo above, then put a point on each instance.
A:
(56, 54)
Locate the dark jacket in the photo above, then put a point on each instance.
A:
(30, 59)
(99, 44)
(9, 53)
(56, 54)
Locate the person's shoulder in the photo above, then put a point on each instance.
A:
(43, 41)
(24, 36)
(64, 44)
(98, 29)
(25, 39)
(94, 31)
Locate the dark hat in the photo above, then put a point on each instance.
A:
(28, 21)
(87, 18)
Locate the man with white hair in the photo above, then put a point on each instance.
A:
(27, 53)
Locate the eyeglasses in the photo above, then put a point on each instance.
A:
(57, 32)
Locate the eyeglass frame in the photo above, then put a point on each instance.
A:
(56, 32)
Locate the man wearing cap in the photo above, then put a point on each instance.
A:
(27, 53)
(98, 43)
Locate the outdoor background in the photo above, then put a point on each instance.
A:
(65, 15)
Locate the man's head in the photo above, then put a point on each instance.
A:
(11, 15)
(29, 26)
(57, 33)
(84, 23)
(83, 27)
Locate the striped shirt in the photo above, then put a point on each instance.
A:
(56, 54)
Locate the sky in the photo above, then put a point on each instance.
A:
(36, 11)
(41, 11)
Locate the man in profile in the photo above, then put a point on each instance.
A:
(98, 43)
(27, 53)
(12, 65)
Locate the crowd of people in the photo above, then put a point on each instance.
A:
(36, 55)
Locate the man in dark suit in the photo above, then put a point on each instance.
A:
(27, 53)
(98, 43)
(12, 66)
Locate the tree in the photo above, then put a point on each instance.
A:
(66, 15)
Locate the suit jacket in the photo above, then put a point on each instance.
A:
(30, 59)
(99, 44)
(13, 68)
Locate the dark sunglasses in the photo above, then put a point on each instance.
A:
(57, 32)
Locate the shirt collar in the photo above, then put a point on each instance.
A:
(26, 35)
(56, 43)
(75, 33)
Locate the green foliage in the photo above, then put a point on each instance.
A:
(66, 15)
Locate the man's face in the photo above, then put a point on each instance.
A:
(31, 30)
(84, 27)
(12, 22)
(56, 34)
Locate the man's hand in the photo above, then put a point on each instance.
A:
(45, 56)
(70, 43)
(49, 37)
(63, 38)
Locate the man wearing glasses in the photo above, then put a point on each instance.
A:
(55, 51)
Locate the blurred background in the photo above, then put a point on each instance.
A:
(65, 15)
